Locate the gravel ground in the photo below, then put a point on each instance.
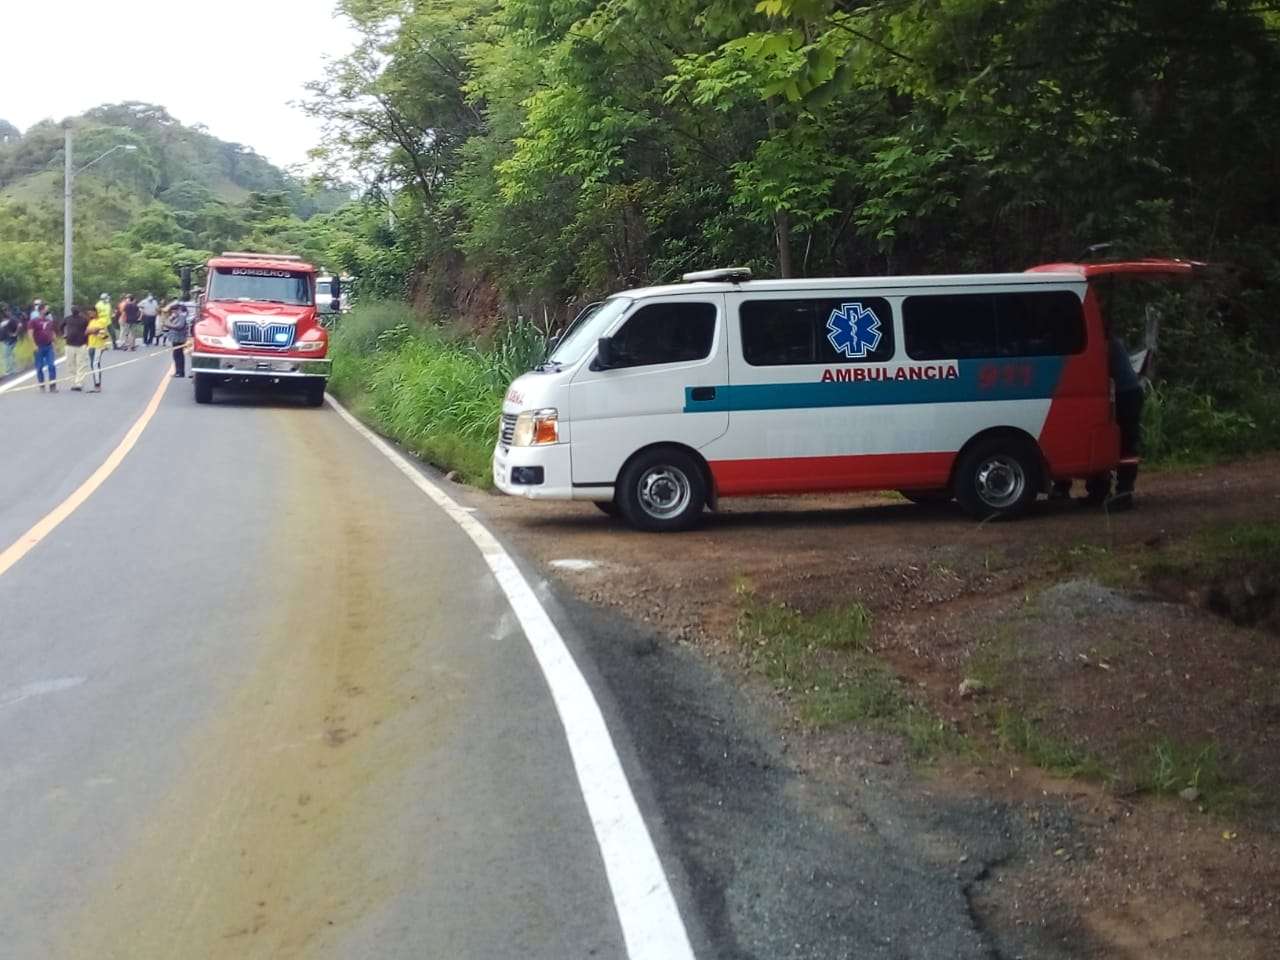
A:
(804, 842)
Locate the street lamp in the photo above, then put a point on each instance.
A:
(69, 175)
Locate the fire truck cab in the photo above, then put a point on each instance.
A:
(257, 325)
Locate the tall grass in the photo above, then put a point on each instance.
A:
(437, 395)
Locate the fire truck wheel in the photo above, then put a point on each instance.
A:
(204, 388)
(315, 392)
(662, 489)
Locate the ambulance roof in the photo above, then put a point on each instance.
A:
(819, 284)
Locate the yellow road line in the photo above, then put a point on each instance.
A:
(20, 547)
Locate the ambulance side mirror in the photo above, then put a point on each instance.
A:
(604, 354)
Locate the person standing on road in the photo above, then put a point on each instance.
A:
(107, 316)
(10, 330)
(43, 334)
(130, 322)
(149, 307)
(176, 327)
(75, 334)
(99, 337)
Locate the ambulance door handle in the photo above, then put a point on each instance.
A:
(703, 393)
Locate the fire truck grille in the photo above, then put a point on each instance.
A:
(507, 430)
(250, 334)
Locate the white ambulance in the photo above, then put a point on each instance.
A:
(985, 388)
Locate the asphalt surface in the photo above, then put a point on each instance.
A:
(260, 698)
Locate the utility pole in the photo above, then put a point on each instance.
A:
(68, 218)
(67, 223)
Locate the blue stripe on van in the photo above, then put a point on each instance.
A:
(1029, 378)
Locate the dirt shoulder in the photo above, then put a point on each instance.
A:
(1111, 680)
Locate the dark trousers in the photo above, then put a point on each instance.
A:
(149, 330)
(113, 329)
(1129, 417)
(179, 362)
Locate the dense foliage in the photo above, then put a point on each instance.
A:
(139, 215)
(548, 151)
(439, 396)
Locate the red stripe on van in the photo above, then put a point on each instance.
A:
(876, 471)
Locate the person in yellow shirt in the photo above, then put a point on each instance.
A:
(105, 314)
(99, 337)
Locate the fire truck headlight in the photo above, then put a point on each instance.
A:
(224, 343)
(310, 346)
(536, 427)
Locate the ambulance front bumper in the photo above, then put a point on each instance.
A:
(539, 473)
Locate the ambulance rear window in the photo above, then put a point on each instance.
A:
(979, 325)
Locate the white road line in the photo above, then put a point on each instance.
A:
(24, 377)
(647, 911)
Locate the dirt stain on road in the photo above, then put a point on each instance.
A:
(262, 847)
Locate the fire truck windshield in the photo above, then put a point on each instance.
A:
(260, 284)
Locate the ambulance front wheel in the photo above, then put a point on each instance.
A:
(662, 490)
(997, 477)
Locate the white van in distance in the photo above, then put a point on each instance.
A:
(985, 388)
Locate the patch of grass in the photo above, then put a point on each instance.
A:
(1021, 734)
(1218, 552)
(825, 664)
(439, 397)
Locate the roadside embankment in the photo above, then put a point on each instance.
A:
(436, 395)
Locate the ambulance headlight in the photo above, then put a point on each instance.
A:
(536, 427)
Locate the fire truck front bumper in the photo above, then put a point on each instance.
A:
(231, 365)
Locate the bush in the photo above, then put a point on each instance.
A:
(437, 396)
(1191, 424)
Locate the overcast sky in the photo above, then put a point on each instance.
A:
(233, 65)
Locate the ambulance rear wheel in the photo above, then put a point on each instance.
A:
(203, 388)
(662, 490)
(997, 477)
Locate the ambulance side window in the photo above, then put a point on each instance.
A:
(851, 329)
(665, 333)
(981, 325)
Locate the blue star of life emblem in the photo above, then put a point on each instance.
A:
(853, 330)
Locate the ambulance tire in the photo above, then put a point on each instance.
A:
(608, 507)
(314, 395)
(662, 490)
(997, 477)
(203, 387)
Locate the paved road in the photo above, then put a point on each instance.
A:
(261, 698)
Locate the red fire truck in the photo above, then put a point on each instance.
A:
(258, 326)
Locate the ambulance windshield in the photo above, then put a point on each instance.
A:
(584, 334)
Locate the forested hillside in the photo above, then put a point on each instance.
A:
(178, 195)
(542, 152)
